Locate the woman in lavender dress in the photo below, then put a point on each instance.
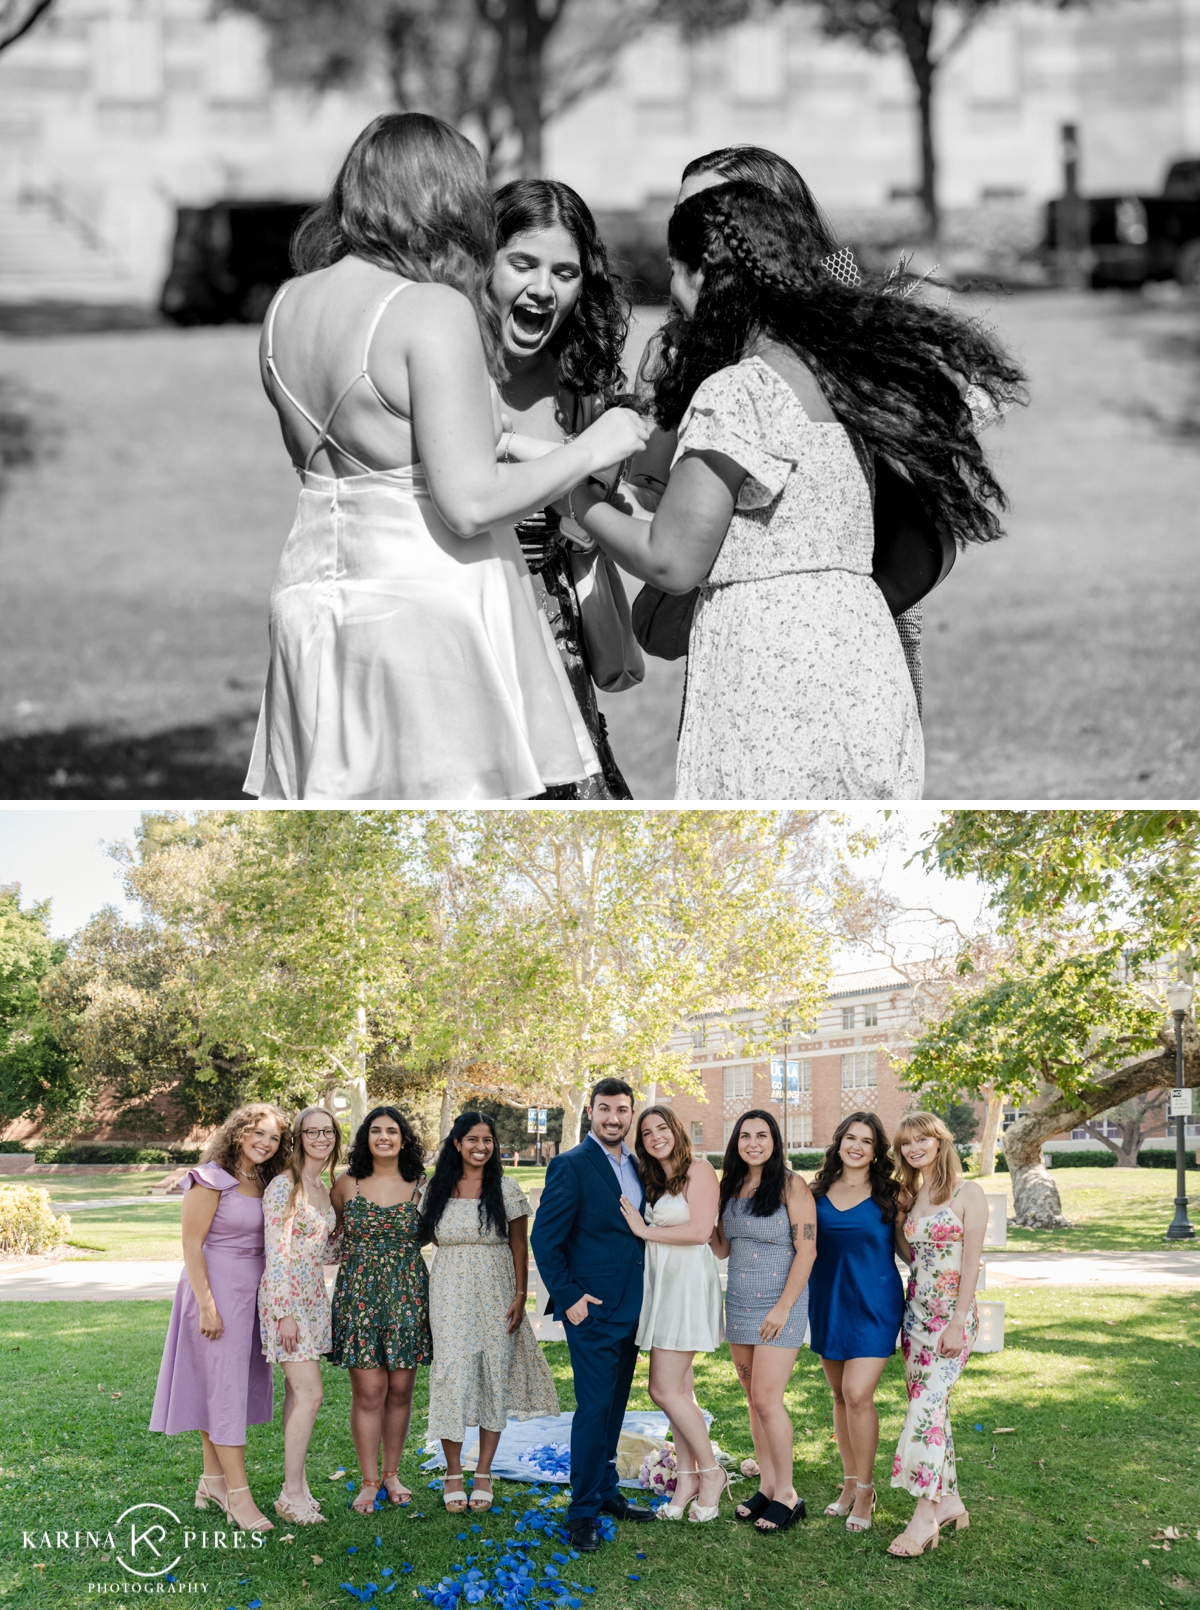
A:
(214, 1378)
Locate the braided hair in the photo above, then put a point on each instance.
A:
(895, 370)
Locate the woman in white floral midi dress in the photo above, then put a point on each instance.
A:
(942, 1238)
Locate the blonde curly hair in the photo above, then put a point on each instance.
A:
(224, 1146)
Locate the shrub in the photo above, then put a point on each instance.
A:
(1160, 1157)
(8, 1147)
(806, 1160)
(99, 1152)
(1103, 1159)
(26, 1223)
(716, 1159)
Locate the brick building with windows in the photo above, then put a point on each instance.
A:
(850, 1058)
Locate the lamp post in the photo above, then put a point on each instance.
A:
(1179, 998)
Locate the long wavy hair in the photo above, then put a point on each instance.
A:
(946, 1172)
(360, 1163)
(895, 370)
(295, 1164)
(655, 1179)
(589, 343)
(775, 1172)
(224, 1146)
(885, 1191)
(411, 197)
(449, 1170)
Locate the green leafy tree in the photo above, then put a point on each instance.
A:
(39, 1078)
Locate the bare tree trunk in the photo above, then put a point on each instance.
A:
(446, 1116)
(914, 24)
(1036, 1202)
(576, 1101)
(991, 1134)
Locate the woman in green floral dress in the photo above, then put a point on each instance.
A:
(381, 1300)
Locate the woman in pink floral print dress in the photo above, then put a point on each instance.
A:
(942, 1238)
(293, 1305)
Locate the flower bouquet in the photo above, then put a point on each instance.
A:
(658, 1473)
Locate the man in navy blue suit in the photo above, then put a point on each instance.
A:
(591, 1263)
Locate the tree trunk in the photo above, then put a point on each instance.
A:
(1036, 1202)
(991, 1134)
(576, 1101)
(929, 197)
(523, 28)
(446, 1116)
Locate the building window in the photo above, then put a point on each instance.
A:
(785, 1023)
(739, 1083)
(1011, 1114)
(729, 1127)
(698, 1136)
(871, 1016)
(698, 1038)
(799, 1129)
(858, 1070)
(847, 1017)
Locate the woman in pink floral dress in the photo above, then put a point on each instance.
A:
(293, 1305)
(942, 1238)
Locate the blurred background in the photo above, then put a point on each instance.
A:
(155, 156)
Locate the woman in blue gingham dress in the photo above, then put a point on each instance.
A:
(767, 1228)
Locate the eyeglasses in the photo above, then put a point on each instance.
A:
(319, 1134)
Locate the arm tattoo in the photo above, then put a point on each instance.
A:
(810, 1232)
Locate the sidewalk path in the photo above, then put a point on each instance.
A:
(106, 1202)
(1177, 1267)
(103, 1281)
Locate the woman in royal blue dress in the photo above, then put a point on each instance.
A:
(856, 1300)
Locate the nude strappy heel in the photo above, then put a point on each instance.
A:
(675, 1512)
(299, 1511)
(708, 1512)
(839, 1511)
(203, 1495)
(459, 1498)
(262, 1524)
(861, 1523)
(898, 1551)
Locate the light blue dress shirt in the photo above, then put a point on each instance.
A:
(627, 1174)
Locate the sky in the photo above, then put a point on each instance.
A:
(59, 854)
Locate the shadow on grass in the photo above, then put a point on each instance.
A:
(196, 762)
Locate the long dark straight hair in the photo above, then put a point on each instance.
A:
(411, 197)
(895, 370)
(885, 1188)
(775, 1172)
(449, 1170)
(588, 344)
(411, 1161)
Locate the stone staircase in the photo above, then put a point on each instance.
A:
(45, 256)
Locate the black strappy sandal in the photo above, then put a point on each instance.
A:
(780, 1516)
(755, 1505)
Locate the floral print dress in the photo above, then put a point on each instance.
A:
(924, 1463)
(381, 1300)
(298, 1246)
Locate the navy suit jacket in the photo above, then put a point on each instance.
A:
(581, 1242)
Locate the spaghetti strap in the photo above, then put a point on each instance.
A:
(324, 437)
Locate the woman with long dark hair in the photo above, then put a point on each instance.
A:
(785, 386)
(487, 1364)
(774, 173)
(408, 660)
(855, 1301)
(563, 324)
(767, 1228)
(381, 1300)
(681, 1299)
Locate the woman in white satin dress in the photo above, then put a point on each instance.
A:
(409, 659)
(681, 1298)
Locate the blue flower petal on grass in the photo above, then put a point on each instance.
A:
(353, 1549)
(406, 1568)
(461, 1536)
(641, 1556)
(255, 1604)
(477, 1528)
(978, 1427)
(634, 1577)
(378, 1542)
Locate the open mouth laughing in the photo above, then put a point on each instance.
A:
(530, 323)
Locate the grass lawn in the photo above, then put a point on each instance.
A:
(75, 1188)
(140, 1230)
(1064, 1509)
(1110, 1209)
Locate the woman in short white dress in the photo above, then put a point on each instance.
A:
(409, 659)
(681, 1300)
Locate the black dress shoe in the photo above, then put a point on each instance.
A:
(625, 1511)
(585, 1536)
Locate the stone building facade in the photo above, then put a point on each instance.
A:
(113, 112)
(850, 1059)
